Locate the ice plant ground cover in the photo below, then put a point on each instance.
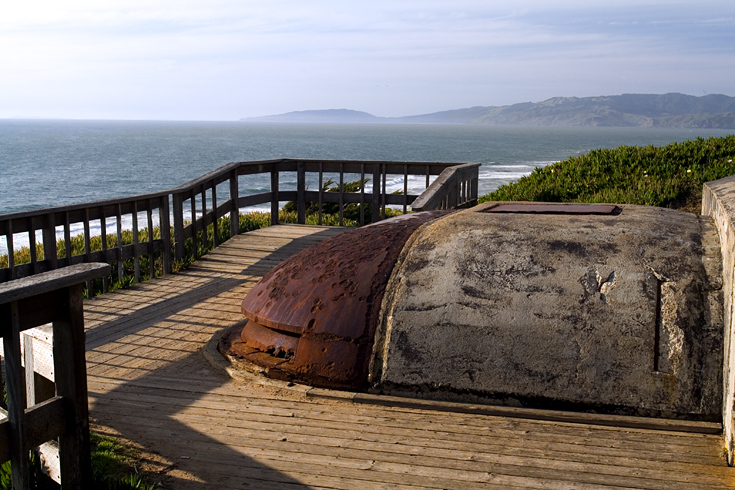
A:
(669, 176)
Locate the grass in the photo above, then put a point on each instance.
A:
(670, 176)
(114, 467)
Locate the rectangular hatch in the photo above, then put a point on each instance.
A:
(554, 208)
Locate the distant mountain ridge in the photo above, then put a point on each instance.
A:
(628, 110)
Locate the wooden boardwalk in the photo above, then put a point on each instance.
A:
(150, 383)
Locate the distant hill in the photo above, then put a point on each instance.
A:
(627, 110)
(324, 116)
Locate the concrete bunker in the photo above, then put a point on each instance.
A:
(616, 309)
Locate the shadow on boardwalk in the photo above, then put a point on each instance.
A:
(149, 382)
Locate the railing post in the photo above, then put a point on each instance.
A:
(103, 240)
(321, 191)
(11, 251)
(118, 215)
(383, 192)
(151, 250)
(193, 227)
(178, 203)
(136, 258)
(205, 238)
(15, 386)
(362, 194)
(405, 189)
(473, 187)
(376, 192)
(300, 193)
(49, 241)
(164, 222)
(234, 208)
(215, 228)
(32, 243)
(70, 375)
(341, 193)
(274, 195)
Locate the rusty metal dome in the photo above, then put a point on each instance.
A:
(313, 317)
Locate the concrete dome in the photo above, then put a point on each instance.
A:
(609, 308)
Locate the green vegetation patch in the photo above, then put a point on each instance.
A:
(114, 467)
(670, 176)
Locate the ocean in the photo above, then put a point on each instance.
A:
(47, 163)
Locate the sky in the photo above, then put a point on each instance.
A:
(230, 59)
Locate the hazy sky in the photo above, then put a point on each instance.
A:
(227, 59)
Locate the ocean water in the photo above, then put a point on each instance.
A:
(47, 163)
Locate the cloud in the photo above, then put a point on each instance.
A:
(227, 59)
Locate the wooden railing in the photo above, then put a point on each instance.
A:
(456, 187)
(211, 197)
(54, 297)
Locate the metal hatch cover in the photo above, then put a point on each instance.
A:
(554, 208)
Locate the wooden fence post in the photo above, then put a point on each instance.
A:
(300, 193)
(15, 385)
(376, 192)
(178, 203)
(164, 222)
(49, 241)
(274, 196)
(234, 208)
(71, 383)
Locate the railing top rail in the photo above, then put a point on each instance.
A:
(50, 281)
(83, 205)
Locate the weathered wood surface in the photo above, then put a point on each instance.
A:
(149, 382)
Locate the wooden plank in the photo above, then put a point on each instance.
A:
(44, 421)
(215, 236)
(194, 224)
(165, 223)
(399, 424)
(32, 243)
(537, 414)
(280, 451)
(120, 265)
(274, 196)
(151, 258)
(28, 367)
(136, 253)
(49, 240)
(234, 209)
(178, 211)
(48, 453)
(487, 447)
(15, 386)
(300, 193)
(50, 281)
(103, 239)
(71, 385)
(657, 446)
